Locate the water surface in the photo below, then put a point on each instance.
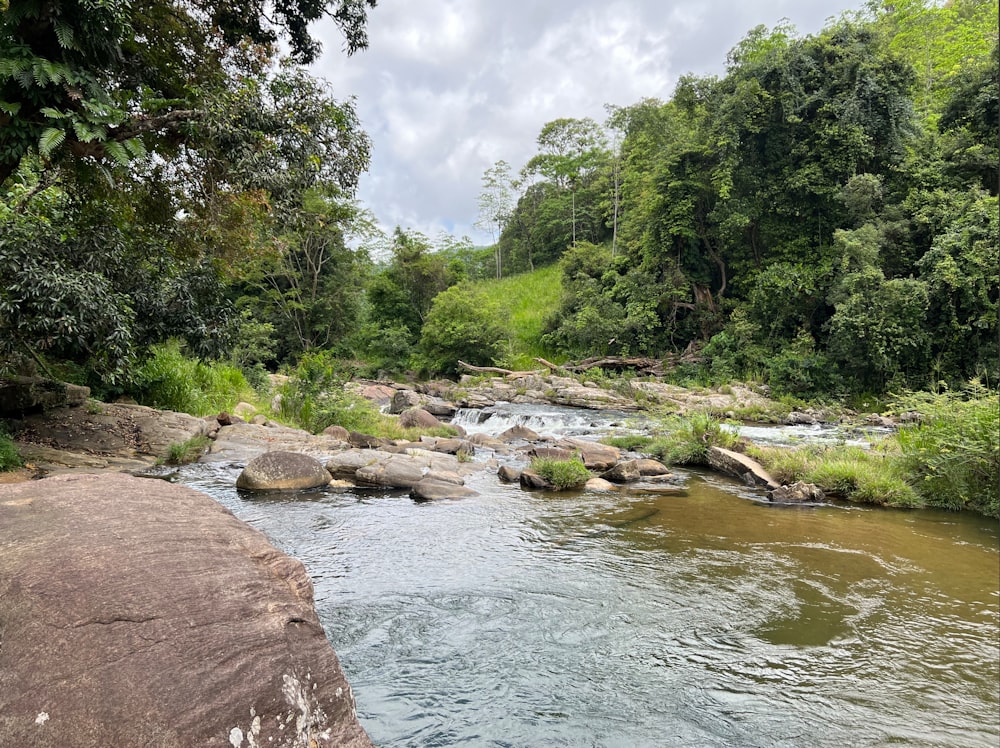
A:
(711, 619)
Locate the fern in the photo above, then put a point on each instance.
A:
(64, 33)
(51, 139)
(117, 151)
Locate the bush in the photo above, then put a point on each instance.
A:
(9, 457)
(461, 325)
(562, 474)
(953, 453)
(172, 381)
(688, 439)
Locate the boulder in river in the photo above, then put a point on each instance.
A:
(431, 489)
(798, 493)
(626, 471)
(138, 612)
(418, 418)
(283, 471)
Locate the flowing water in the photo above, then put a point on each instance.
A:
(708, 619)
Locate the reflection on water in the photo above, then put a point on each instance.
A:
(711, 619)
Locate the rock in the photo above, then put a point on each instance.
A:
(244, 410)
(337, 432)
(797, 493)
(652, 468)
(276, 403)
(599, 484)
(518, 433)
(440, 408)
(403, 400)
(531, 480)
(380, 394)
(595, 456)
(282, 471)
(346, 464)
(241, 442)
(397, 471)
(430, 489)
(445, 476)
(489, 442)
(108, 436)
(418, 418)
(552, 453)
(740, 466)
(509, 473)
(138, 612)
(626, 471)
(453, 447)
(367, 441)
(797, 418)
(21, 395)
(259, 420)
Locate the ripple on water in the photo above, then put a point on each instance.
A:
(518, 619)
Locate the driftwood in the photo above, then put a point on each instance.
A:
(496, 370)
(549, 365)
(642, 364)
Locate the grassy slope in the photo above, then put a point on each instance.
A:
(528, 299)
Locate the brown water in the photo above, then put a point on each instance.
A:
(712, 619)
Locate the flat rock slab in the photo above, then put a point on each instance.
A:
(104, 436)
(241, 442)
(740, 466)
(138, 612)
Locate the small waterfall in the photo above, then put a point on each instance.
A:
(553, 420)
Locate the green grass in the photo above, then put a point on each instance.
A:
(528, 298)
(860, 475)
(563, 474)
(184, 452)
(170, 380)
(685, 440)
(9, 457)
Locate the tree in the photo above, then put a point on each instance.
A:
(84, 78)
(496, 203)
(462, 325)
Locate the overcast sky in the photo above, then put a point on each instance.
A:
(449, 87)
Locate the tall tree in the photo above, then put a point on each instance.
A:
(496, 204)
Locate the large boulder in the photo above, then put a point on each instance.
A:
(626, 471)
(418, 418)
(404, 400)
(740, 466)
(138, 612)
(595, 456)
(283, 471)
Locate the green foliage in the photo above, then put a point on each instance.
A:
(953, 452)
(10, 459)
(860, 475)
(461, 325)
(181, 453)
(629, 443)
(687, 439)
(173, 381)
(563, 474)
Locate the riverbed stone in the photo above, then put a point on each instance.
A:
(599, 484)
(649, 468)
(532, 480)
(404, 400)
(418, 418)
(626, 471)
(282, 471)
(798, 493)
(139, 612)
(20, 395)
(595, 456)
(740, 466)
(432, 489)
(241, 442)
(519, 433)
(551, 453)
(509, 473)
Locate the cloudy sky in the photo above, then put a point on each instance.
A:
(449, 87)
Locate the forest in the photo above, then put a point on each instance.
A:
(822, 218)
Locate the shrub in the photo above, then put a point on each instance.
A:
(562, 474)
(461, 325)
(172, 381)
(953, 453)
(688, 439)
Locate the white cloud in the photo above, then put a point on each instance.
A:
(448, 88)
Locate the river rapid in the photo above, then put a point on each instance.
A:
(633, 620)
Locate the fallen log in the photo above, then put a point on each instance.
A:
(496, 370)
(647, 365)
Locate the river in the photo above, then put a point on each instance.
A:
(633, 620)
